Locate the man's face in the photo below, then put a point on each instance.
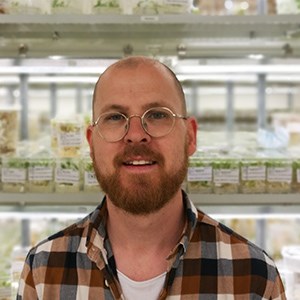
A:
(139, 173)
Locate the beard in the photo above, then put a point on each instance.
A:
(145, 194)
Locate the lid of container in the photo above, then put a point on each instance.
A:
(9, 108)
(291, 252)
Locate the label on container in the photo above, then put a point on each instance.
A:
(13, 175)
(177, 2)
(279, 174)
(199, 173)
(40, 173)
(253, 173)
(90, 178)
(226, 176)
(66, 176)
(69, 139)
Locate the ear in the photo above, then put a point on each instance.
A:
(192, 135)
(89, 137)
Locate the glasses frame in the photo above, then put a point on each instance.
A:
(127, 125)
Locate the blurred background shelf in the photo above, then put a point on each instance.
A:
(110, 36)
(86, 199)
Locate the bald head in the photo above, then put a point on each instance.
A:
(134, 62)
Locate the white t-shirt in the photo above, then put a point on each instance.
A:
(137, 290)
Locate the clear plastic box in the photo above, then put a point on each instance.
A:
(296, 175)
(106, 7)
(41, 175)
(279, 175)
(199, 176)
(29, 7)
(14, 174)
(253, 176)
(69, 135)
(226, 175)
(67, 6)
(9, 129)
(90, 183)
(291, 258)
(68, 175)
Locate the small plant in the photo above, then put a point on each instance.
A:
(58, 3)
(106, 3)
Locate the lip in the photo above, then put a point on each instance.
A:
(139, 164)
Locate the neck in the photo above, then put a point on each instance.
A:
(141, 244)
(157, 228)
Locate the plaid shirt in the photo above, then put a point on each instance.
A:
(210, 262)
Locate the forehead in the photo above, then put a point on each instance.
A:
(137, 86)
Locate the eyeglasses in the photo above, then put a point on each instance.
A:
(157, 122)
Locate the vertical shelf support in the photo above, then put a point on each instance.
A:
(290, 100)
(25, 233)
(53, 100)
(79, 99)
(194, 98)
(262, 7)
(24, 106)
(261, 102)
(230, 111)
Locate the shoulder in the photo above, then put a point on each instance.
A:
(69, 240)
(228, 244)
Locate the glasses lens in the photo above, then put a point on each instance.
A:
(158, 121)
(112, 126)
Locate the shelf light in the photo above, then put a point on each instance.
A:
(56, 57)
(238, 69)
(256, 56)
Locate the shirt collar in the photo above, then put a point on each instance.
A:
(97, 235)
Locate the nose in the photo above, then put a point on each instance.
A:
(136, 132)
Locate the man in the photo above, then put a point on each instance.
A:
(146, 240)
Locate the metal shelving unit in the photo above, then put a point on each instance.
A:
(84, 198)
(110, 36)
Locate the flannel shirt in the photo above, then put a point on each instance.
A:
(210, 262)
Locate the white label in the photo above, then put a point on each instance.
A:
(90, 178)
(149, 19)
(177, 2)
(199, 173)
(66, 176)
(254, 173)
(11, 175)
(226, 176)
(280, 174)
(40, 173)
(69, 139)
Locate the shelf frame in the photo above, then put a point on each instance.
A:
(86, 198)
(108, 35)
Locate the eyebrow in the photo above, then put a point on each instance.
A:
(125, 108)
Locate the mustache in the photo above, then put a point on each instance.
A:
(138, 150)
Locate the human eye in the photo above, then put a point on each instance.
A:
(157, 114)
(113, 118)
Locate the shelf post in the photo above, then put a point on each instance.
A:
(261, 102)
(230, 110)
(24, 106)
(194, 98)
(290, 100)
(262, 7)
(25, 233)
(79, 99)
(53, 100)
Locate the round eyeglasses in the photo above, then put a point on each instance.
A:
(156, 121)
